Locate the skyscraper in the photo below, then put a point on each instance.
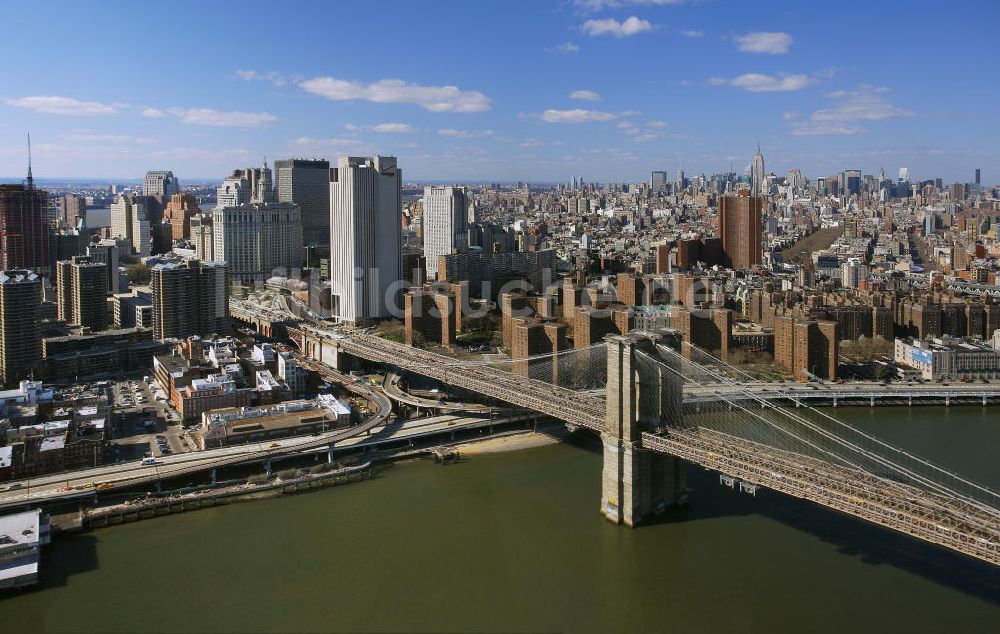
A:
(978, 177)
(82, 288)
(179, 211)
(306, 183)
(257, 237)
(106, 253)
(20, 337)
(160, 183)
(658, 181)
(74, 209)
(24, 227)
(445, 228)
(739, 229)
(365, 240)
(191, 298)
(757, 173)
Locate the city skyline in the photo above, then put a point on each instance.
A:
(614, 90)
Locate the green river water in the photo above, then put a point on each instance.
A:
(514, 542)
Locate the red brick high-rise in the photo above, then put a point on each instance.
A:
(740, 229)
(24, 227)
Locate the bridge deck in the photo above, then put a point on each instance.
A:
(967, 528)
(972, 530)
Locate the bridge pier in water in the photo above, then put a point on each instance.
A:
(637, 483)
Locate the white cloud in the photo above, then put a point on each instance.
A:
(810, 128)
(565, 47)
(252, 75)
(769, 42)
(577, 115)
(62, 105)
(692, 33)
(866, 104)
(219, 118)
(433, 98)
(382, 128)
(656, 124)
(756, 82)
(585, 95)
(599, 5)
(98, 138)
(464, 134)
(335, 142)
(860, 106)
(153, 113)
(609, 26)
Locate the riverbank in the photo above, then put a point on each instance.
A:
(513, 442)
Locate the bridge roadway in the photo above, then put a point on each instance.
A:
(391, 388)
(81, 483)
(970, 529)
(567, 405)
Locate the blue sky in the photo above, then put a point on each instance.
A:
(604, 89)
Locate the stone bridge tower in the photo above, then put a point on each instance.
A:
(637, 483)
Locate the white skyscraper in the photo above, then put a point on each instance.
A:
(365, 237)
(254, 234)
(757, 173)
(161, 183)
(445, 228)
(121, 219)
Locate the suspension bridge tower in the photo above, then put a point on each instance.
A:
(642, 396)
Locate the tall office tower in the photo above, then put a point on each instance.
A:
(904, 175)
(106, 253)
(121, 218)
(978, 177)
(757, 173)
(850, 182)
(74, 209)
(365, 243)
(190, 298)
(24, 226)
(82, 288)
(142, 237)
(739, 229)
(178, 212)
(680, 180)
(162, 183)
(201, 236)
(445, 228)
(794, 179)
(306, 183)
(658, 181)
(20, 337)
(257, 237)
(234, 191)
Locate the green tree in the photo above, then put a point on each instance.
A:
(138, 274)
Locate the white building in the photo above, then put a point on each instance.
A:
(254, 234)
(160, 183)
(257, 240)
(852, 273)
(121, 219)
(21, 538)
(445, 225)
(365, 238)
(949, 359)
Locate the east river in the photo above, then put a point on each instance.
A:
(514, 542)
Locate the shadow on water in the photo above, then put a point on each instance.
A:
(870, 543)
(67, 556)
